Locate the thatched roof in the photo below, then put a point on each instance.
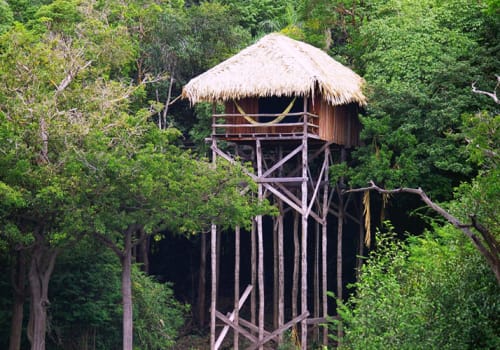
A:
(277, 66)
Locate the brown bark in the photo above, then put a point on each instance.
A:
(19, 295)
(125, 257)
(41, 268)
(144, 250)
(126, 261)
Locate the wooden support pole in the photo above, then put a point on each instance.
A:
(316, 279)
(213, 302)
(324, 242)
(217, 252)
(340, 228)
(253, 268)
(281, 272)
(275, 272)
(260, 247)
(281, 258)
(236, 286)
(213, 255)
(303, 297)
(296, 260)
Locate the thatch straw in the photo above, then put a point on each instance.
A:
(277, 66)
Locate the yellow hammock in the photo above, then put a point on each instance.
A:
(276, 120)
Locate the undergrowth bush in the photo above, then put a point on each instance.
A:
(429, 292)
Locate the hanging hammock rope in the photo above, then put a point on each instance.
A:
(276, 120)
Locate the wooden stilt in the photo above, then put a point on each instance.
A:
(275, 272)
(253, 268)
(218, 262)
(213, 302)
(260, 248)
(303, 297)
(324, 243)
(281, 272)
(213, 255)
(340, 228)
(236, 285)
(296, 260)
(316, 279)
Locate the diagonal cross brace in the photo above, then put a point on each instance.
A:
(278, 331)
(224, 331)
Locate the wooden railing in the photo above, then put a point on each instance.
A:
(293, 125)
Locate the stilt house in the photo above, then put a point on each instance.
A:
(293, 106)
(272, 87)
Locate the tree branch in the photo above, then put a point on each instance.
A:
(70, 76)
(491, 255)
(493, 94)
(109, 243)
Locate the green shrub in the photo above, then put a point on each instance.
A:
(430, 292)
(158, 316)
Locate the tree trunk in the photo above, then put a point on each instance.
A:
(202, 280)
(126, 261)
(41, 267)
(19, 295)
(144, 251)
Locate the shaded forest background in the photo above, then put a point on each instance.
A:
(103, 166)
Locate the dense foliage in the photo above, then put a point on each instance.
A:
(430, 292)
(92, 139)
